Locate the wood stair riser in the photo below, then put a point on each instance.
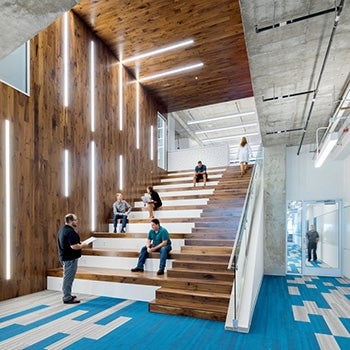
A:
(207, 242)
(208, 302)
(203, 275)
(189, 312)
(204, 266)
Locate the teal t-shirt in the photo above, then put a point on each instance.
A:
(160, 236)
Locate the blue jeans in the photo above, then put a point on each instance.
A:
(117, 217)
(163, 256)
(69, 270)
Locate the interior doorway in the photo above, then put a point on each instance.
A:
(319, 251)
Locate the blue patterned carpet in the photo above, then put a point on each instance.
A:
(291, 313)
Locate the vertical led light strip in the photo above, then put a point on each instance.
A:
(121, 111)
(151, 142)
(121, 175)
(92, 186)
(65, 59)
(92, 85)
(8, 258)
(137, 115)
(66, 173)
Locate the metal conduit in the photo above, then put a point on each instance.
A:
(336, 20)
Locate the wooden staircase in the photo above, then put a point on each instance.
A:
(205, 256)
(197, 282)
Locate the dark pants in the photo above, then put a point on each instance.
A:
(124, 220)
(163, 256)
(311, 247)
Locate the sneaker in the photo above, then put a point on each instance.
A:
(115, 231)
(136, 269)
(123, 230)
(71, 301)
(160, 272)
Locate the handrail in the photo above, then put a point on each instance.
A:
(243, 231)
(248, 199)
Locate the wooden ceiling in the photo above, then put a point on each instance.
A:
(137, 27)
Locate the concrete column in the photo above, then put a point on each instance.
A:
(275, 210)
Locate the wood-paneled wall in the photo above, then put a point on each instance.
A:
(42, 128)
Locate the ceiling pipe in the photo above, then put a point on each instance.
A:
(336, 20)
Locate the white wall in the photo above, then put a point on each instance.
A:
(211, 156)
(330, 181)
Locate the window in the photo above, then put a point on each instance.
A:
(14, 69)
(162, 142)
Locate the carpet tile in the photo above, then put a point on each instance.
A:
(294, 313)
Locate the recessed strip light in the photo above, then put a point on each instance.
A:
(92, 186)
(66, 173)
(151, 142)
(137, 101)
(65, 60)
(220, 118)
(92, 86)
(8, 214)
(121, 172)
(223, 129)
(171, 72)
(229, 137)
(158, 51)
(121, 97)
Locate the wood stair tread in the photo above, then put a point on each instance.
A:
(197, 292)
(208, 271)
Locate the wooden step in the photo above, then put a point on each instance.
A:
(216, 229)
(211, 234)
(210, 242)
(201, 275)
(182, 297)
(204, 250)
(197, 265)
(189, 311)
(145, 278)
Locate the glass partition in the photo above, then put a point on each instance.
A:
(314, 233)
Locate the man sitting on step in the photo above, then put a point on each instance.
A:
(200, 173)
(121, 210)
(157, 241)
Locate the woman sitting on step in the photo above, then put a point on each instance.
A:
(153, 202)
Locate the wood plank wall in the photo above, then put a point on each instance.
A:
(41, 128)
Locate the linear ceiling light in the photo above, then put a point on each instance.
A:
(171, 72)
(229, 137)
(219, 118)
(158, 51)
(326, 149)
(223, 129)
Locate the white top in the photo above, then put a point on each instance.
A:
(244, 153)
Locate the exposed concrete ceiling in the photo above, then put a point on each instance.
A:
(20, 20)
(300, 62)
(298, 52)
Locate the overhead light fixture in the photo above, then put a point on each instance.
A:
(230, 137)
(158, 51)
(171, 72)
(219, 118)
(330, 142)
(223, 129)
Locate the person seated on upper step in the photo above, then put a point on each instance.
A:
(158, 240)
(153, 201)
(200, 173)
(121, 210)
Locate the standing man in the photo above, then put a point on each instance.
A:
(69, 251)
(312, 237)
(158, 241)
(200, 172)
(121, 210)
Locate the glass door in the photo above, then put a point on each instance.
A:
(314, 234)
(322, 238)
